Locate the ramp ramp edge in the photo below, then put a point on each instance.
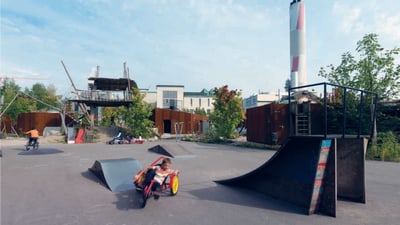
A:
(171, 150)
(116, 174)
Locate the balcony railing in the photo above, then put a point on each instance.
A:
(88, 95)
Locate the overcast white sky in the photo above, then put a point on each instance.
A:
(195, 43)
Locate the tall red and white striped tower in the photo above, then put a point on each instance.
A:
(298, 70)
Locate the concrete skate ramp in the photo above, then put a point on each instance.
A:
(116, 174)
(289, 175)
(174, 150)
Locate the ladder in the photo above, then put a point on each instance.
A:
(303, 119)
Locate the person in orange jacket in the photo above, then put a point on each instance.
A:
(33, 136)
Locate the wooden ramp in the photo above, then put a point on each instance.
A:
(312, 173)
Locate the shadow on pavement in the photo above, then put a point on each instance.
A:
(244, 197)
(90, 176)
(40, 151)
(128, 200)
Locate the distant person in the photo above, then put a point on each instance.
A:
(119, 136)
(112, 121)
(33, 136)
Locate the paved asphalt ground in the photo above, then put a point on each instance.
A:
(52, 186)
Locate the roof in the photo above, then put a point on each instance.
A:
(170, 86)
(202, 93)
(111, 84)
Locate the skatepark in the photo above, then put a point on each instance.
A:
(53, 185)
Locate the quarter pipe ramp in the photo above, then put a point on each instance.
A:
(304, 172)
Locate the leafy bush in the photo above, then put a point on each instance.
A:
(227, 112)
(213, 137)
(387, 148)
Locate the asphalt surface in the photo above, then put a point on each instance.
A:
(52, 186)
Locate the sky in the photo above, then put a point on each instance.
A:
(196, 43)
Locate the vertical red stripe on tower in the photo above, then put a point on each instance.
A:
(295, 64)
(300, 18)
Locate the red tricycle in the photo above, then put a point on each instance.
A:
(170, 183)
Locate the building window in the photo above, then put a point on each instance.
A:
(199, 102)
(170, 94)
(208, 102)
(170, 99)
(191, 102)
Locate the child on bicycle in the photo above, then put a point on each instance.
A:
(33, 136)
(159, 173)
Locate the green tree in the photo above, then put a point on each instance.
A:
(287, 85)
(44, 97)
(375, 70)
(109, 114)
(14, 102)
(227, 112)
(137, 115)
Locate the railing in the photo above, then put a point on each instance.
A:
(342, 97)
(104, 95)
(173, 104)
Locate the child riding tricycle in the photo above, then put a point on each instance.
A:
(156, 179)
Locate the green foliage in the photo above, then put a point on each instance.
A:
(137, 116)
(388, 118)
(43, 97)
(47, 96)
(287, 85)
(201, 111)
(375, 69)
(107, 115)
(386, 149)
(14, 106)
(198, 111)
(227, 112)
(354, 119)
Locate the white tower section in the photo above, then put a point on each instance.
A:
(298, 72)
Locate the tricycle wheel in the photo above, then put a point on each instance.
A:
(174, 185)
